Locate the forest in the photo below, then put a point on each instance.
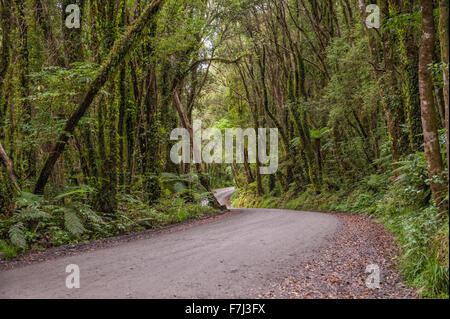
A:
(90, 91)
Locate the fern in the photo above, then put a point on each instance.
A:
(28, 199)
(17, 235)
(184, 178)
(168, 177)
(79, 190)
(90, 214)
(30, 214)
(73, 223)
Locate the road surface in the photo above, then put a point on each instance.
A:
(235, 256)
(223, 196)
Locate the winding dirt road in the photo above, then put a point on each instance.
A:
(244, 253)
(239, 255)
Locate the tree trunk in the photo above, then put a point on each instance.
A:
(5, 15)
(9, 167)
(187, 125)
(444, 40)
(44, 21)
(248, 171)
(121, 125)
(430, 134)
(73, 45)
(115, 57)
(23, 66)
(5, 18)
(392, 94)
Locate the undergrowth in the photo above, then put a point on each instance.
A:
(39, 223)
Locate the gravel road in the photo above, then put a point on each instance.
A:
(245, 253)
(236, 256)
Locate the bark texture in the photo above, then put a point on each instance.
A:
(430, 134)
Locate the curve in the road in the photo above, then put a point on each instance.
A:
(235, 256)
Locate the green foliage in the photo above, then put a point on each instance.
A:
(17, 235)
(318, 134)
(75, 192)
(186, 186)
(413, 178)
(34, 211)
(6, 194)
(423, 236)
(67, 218)
(73, 223)
(342, 109)
(399, 21)
(8, 251)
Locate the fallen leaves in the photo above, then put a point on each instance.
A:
(338, 271)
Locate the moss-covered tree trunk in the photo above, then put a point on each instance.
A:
(5, 160)
(5, 22)
(430, 134)
(43, 19)
(444, 40)
(73, 45)
(115, 57)
(23, 71)
(409, 54)
(392, 95)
